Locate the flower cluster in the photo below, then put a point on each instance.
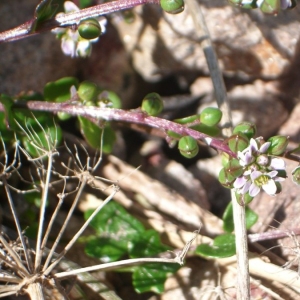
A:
(261, 171)
(72, 44)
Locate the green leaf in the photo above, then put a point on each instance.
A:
(44, 10)
(209, 130)
(147, 244)
(93, 135)
(85, 3)
(115, 219)
(223, 246)
(116, 228)
(59, 90)
(228, 225)
(106, 248)
(152, 277)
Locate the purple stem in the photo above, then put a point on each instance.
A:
(130, 116)
(69, 19)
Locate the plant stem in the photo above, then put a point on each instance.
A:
(132, 116)
(116, 265)
(243, 279)
(60, 20)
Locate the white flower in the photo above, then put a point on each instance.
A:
(72, 44)
(265, 181)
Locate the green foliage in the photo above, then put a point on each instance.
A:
(85, 3)
(87, 91)
(44, 10)
(228, 225)
(188, 147)
(209, 130)
(149, 278)
(60, 91)
(118, 234)
(223, 246)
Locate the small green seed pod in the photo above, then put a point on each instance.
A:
(172, 6)
(296, 175)
(87, 91)
(246, 128)
(210, 116)
(234, 168)
(226, 179)
(188, 147)
(278, 144)
(152, 104)
(238, 142)
(89, 29)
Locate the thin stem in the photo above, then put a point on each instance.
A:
(18, 226)
(25, 30)
(79, 232)
(66, 222)
(115, 265)
(39, 249)
(19, 265)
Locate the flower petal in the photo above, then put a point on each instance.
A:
(253, 190)
(270, 187)
(255, 174)
(68, 47)
(70, 6)
(264, 147)
(239, 182)
(277, 164)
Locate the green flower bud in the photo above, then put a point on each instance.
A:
(226, 179)
(238, 142)
(234, 168)
(152, 104)
(246, 128)
(89, 29)
(296, 175)
(172, 6)
(188, 147)
(87, 91)
(278, 144)
(210, 116)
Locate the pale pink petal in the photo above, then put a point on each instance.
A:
(239, 182)
(264, 147)
(253, 190)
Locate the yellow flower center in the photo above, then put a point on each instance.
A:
(261, 180)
